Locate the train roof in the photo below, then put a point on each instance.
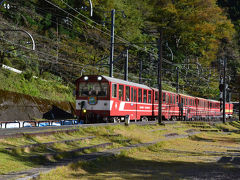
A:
(156, 89)
(115, 80)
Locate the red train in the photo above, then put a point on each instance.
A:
(105, 99)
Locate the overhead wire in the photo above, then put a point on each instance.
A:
(40, 52)
(120, 39)
(93, 26)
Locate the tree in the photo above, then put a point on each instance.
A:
(192, 28)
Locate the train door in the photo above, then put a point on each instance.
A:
(154, 103)
(114, 99)
(134, 102)
(139, 102)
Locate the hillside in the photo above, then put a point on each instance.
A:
(70, 42)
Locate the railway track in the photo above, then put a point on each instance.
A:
(18, 132)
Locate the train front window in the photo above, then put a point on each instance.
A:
(93, 89)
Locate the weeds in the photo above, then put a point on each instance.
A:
(47, 89)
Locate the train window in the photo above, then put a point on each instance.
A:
(120, 93)
(174, 99)
(164, 98)
(144, 96)
(170, 99)
(139, 95)
(132, 94)
(114, 90)
(127, 93)
(167, 99)
(186, 101)
(156, 97)
(183, 101)
(177, 98)
(149, 96)
(93, 89)
(135, 95)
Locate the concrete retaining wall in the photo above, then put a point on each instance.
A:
(15, 106)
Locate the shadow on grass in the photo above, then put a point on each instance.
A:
(197, 138)
(123, 167)
(215, 139)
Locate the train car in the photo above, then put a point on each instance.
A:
(229, 110)
(102, 98)
(105, 99)
(188, 107)
(214, 110)
(170, 109)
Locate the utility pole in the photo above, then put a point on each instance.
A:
(57, 41)
(224, 90)
(112, 43)
(177, 87)
(140, 70)
(126, 67)
(239, 106)
(160, 77)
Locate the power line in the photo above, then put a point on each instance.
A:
(120, 39)
(54, 57)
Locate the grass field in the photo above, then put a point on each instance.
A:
(201, 155)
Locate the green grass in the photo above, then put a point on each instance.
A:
(227, 126)
(187, 159)
(136, 163)
(164, 160)
(47, 89)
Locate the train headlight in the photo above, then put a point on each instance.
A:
(84, 110)
(85, 78)
(99, 78)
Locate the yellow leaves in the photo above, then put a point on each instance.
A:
(205, 28)
(225, 29)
